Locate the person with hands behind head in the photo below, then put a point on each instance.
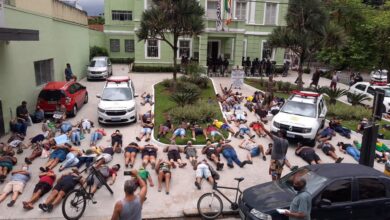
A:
(130, 207)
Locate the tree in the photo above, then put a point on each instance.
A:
(307, 31)
(167, 20)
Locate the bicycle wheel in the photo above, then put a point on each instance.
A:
(210, 206)
(74, 204)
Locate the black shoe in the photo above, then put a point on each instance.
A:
(249, 162)
(243, 163)
(27, 161)
(339, 159)
(230, 165)
(11, 203)
(43, 207)
(197, 185)
(264, 158)
(42, 169)
(49, 207)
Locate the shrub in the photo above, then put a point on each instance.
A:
(194, 70)
(279, 85)
(167, 83)
(122, 60)
(184, 98)
(199, 112)
(201, 81)
(333, 94)
(287, 87)
(346, 112)
(154, 69)
(279, 69)
(306, 70)
(357, 98)
(97, 51)
(186, 87)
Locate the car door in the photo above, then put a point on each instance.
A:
(72, 91)
(80, 92)
(373, 200)
(334, 201)
(371, 94)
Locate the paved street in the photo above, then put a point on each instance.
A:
(183, 194)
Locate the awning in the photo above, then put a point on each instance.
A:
(12, 34)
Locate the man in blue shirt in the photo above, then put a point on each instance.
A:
(300, 207)
(68, 73)
(16, 185)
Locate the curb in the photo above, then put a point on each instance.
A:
(154, 141)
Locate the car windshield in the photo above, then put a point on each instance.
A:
(97, 63)
(117, 94)
(299, 108)
(387, 92)
(313, 181)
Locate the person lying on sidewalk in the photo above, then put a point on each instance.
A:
(213, 154)
(253, 148)
(308, 154)
(203, 171)
(330, 151)
(230, 154)
(44, 185)
(15, 186)
(173, 152)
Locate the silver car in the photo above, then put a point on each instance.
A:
(99, 68)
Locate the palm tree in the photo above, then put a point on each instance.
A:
(333, 94)
(307, 31)
(168, 20)
(357, 98)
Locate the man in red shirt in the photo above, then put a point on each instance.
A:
(46, 181)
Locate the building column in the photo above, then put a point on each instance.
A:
(203, 41)
(238, 47)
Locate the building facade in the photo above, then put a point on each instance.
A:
(61, 36)
(246, 35)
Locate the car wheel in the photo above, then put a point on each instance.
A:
(74, 111)
(86, 98)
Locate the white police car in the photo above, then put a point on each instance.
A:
(302, 116)
(117, 103)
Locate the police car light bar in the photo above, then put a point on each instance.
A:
(118, 79)
(305, 94)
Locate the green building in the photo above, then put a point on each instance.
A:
(245, 36)
(37, 39)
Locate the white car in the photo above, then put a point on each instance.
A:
(379, 77)
(99, 68)
(117, 102)
(302, 116)
(369, 89)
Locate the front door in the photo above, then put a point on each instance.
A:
(213, 49)
(2, 130)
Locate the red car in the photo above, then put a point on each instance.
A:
(71, 94)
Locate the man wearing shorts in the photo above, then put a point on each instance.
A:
(330, 151)
(116, 141)
(16, 185)
(203, 171)
(190, 152)
(180, 131)
(244, 129)
(196, 130)
(46, 182)
(105, 157)
(174, 155)
(307, 154)
(149, 154)
(147, 127)
(278, 153)
(253, 148)
(130, 153)
(212, 154)
(223, 126)
(164, 129)
(211, 130)
(65, 184)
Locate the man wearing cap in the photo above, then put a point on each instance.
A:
(130, 207)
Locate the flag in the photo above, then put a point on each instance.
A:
(219, 19)
(228, 9)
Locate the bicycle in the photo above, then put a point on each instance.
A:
(210, 204)
(77, 198)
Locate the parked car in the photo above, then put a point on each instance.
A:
(117, 102)
(71, 94)
(379, 77)
(99, 68)
(339, 191)
(369, 89)
(302, 115)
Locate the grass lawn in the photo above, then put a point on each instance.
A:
(164, 104)
(350, 124)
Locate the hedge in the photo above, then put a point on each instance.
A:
(122, 60)
(155, 69)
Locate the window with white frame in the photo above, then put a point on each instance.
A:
(267, 50)
(184, 48)
(270, 13)
(118, 15)
(115, 45)
(129, 45)
(44, 71)
(212, 9)
(152, 50)
(241, 9)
